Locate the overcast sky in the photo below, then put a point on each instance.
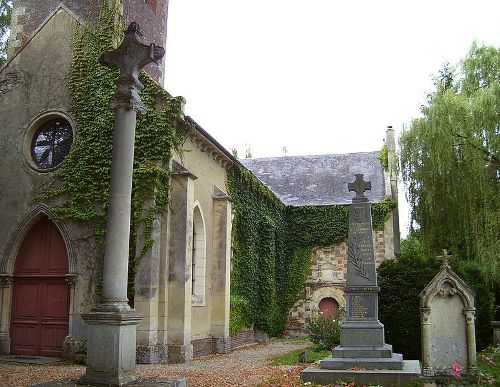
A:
(315, 76)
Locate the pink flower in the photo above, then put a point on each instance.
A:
(456, 369)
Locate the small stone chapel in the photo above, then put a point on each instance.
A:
(50, 267)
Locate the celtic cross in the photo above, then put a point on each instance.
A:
(359, 186)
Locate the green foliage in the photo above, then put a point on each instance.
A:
(450, 162)
(325, 331)
(488, 366)
(292, 358)
(84, 176)
(401, 282)
(272, 246)
(5, 16)
(383, 156)
(239, 315)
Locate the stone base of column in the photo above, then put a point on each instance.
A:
(111, 347)
(4, 343)
(496, 332)
(222, 344)
(180, 353)
(69, 348)
(151, 354)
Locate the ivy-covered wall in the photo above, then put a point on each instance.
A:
(272, 245)
(83, 179)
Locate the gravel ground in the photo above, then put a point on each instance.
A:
(247, 366)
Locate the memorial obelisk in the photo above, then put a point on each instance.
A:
(362, 343)
(112, 324)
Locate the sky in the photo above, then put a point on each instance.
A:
(316, 76)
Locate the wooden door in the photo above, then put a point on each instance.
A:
(40, 302)
(328, 307)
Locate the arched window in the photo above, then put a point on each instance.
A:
(199, 258)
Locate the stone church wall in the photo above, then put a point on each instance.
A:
(326, 279)
(32, 91)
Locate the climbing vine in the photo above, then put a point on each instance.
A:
(272, 247)
(81, 191)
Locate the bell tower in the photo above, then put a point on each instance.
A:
(30, 15)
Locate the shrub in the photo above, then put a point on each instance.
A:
(325, 331)
(401, 282)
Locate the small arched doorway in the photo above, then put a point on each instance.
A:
(40, 301)
(328, 307)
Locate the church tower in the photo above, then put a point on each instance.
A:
(30, 15)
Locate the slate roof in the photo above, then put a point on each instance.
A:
(319, 180)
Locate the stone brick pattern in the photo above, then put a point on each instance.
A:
(326, 279)
(152, 18)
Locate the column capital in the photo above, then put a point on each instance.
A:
(424, 316)
(469, 315)
(6, 280)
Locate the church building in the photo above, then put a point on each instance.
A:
(50, 266)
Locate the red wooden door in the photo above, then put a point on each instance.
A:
(328, 307)
(40, 302)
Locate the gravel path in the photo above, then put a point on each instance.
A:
(247, 366)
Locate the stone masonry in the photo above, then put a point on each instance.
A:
(326, 279)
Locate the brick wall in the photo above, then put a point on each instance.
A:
(203, 347)
(242, 338)
(152, 18)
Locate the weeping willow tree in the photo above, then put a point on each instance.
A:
(450, 162)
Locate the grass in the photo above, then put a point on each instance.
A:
(488, 369)
(488, 366)
(292, 358)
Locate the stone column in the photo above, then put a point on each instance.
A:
(471, 340)
(496, 332)
(221, 270)
(112, 324)
(393, 176)
(179, 289)
(426, 341)
(5, 296)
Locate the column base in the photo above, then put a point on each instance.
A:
(180, 353)
(111, 346)
(69, 348)
(4, 343)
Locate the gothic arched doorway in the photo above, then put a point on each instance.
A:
(328, 307)
(40, 301)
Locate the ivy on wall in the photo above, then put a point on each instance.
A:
(84, 175)
(272, 247)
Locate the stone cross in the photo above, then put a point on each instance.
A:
(445, 257)
(360, 186)
(112, 324)
(130, 58)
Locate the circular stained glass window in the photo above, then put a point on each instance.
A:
(51, 143)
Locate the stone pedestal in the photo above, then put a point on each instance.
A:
(362, 342)
(111, 347)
